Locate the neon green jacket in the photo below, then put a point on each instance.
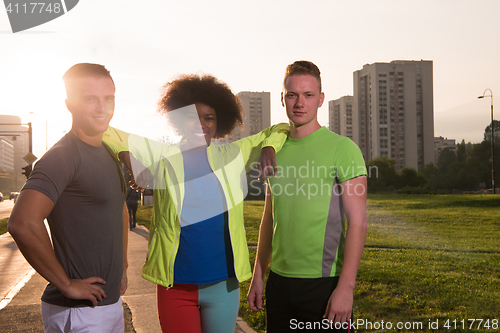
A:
(229, 163)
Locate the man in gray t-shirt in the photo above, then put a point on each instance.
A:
(80, 190)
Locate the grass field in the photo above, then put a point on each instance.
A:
(431, 258)
(3, 225)
(426, 259)
(429, 261)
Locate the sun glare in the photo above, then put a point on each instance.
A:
(31, 88)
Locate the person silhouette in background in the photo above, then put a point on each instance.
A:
(131, 200)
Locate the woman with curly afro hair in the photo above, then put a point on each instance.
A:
(205, 92)
(197, 244)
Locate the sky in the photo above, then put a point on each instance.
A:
(248, 44)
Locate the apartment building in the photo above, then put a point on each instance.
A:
(16, 146)
(441, 143)
(6, 154)
(341, 116)
(393, 112)
(256, 114)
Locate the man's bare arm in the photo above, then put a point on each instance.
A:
(28, 230)
(263, 258)
(267, 163)
(124, 157)
(126, 225)
(354, 201)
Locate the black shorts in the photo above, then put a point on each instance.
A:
(296, 304)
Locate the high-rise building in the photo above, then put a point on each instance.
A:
(393, 112)
(256, 114)
(256, 117)
(341, 116)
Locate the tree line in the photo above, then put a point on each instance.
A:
(467, 169)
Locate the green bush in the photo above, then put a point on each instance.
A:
(3, 226)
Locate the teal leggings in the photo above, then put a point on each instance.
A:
(189, 308)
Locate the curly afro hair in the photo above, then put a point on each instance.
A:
(188, 89)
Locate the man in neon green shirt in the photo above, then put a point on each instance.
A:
(314, 224)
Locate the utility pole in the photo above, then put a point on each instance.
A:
(30, 135)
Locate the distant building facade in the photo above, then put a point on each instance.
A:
(441, 143)
(393, 112)
(256, 117)
(256, 114)
(6, 154)
(341, 116)
(16, 136)
(487, 135)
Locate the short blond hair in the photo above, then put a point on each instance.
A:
(303, 67)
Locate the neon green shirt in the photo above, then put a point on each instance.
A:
(308, 227)
(166, 164)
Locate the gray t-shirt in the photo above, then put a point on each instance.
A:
(86, 223)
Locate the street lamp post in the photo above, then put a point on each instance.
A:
(492, 139)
